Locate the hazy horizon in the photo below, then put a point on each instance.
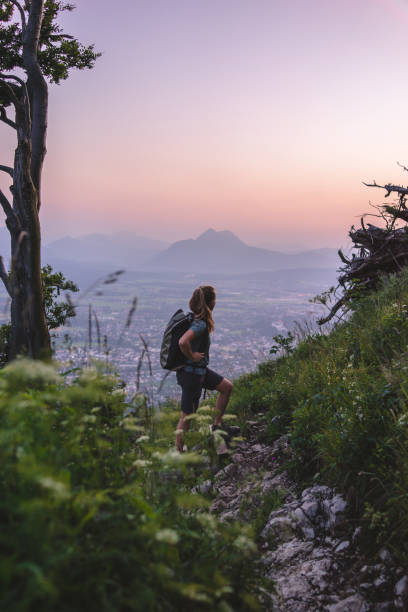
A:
(272, 245)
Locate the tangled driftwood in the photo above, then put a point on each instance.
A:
(379, 250)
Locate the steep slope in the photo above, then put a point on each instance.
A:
(342, 399)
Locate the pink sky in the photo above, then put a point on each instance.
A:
(258, 116)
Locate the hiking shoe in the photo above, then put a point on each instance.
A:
(227, 431)
(231, 430)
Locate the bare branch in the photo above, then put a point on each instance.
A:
(7, 169)
(5, 204)
(343, 257)
(11, 217)
(10, 91)
(389, 188)
(332, 312)
(4, 276)
(13, 77)
(22, 14)
(5, 119)
(403, 167)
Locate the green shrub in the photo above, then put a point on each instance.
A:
(97, 511)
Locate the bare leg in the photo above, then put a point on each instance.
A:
(183, 424)
(224, 388)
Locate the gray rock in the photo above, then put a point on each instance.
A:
(280, 528)
(237, 458)
(310, 508)
(319, 553)
(356, 535)
(304, 524)
(334, 510)
(354, 603)
(318, 491)
(286, 553)
(317, 572)
(205, 487)
(385, 556)
(366, 586)
(294, 590)
(401, 587)
(342, 546)
(401, 593)
(380, 582)
(384, 606)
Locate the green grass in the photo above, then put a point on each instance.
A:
(343, 400)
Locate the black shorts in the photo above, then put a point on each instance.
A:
(192, 384)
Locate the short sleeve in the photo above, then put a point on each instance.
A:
(198, 327)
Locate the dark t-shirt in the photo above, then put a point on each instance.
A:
(200, 343)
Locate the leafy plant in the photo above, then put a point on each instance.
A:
(284, 344)
(57, 311)
(96, 506)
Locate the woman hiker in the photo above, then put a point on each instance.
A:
(196, 375)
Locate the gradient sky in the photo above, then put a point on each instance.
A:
(258, 116)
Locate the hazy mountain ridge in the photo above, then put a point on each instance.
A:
(215, 252)
(223, 251)
(122, 248)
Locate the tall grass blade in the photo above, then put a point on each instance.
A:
(146, 348)
(139, 367)
(98, 330)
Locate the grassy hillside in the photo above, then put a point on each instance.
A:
(343, 400)
(96, 507)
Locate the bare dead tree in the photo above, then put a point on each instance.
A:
(378, 250)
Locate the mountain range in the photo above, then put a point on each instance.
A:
(212, 252)
(224, 252)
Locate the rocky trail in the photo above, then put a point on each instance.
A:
(307, 545)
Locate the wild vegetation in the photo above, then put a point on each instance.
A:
(342, 398)
(96, 507)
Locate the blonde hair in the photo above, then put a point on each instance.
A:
(200, 305)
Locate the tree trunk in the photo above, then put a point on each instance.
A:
(29, 331)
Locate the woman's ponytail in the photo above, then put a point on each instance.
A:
(200, 303)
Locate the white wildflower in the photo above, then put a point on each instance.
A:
(242, 542)
(142, 439)
(142, 463)
(130, 424)
(89, 418)
(403, 420)
(207, 520)
(174, 458)
(205, 409)
(58, 488)
(168, 536)
(192, 592)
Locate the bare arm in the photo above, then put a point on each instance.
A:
(185, 346)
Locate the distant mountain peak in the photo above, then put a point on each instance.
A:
(211, 235)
